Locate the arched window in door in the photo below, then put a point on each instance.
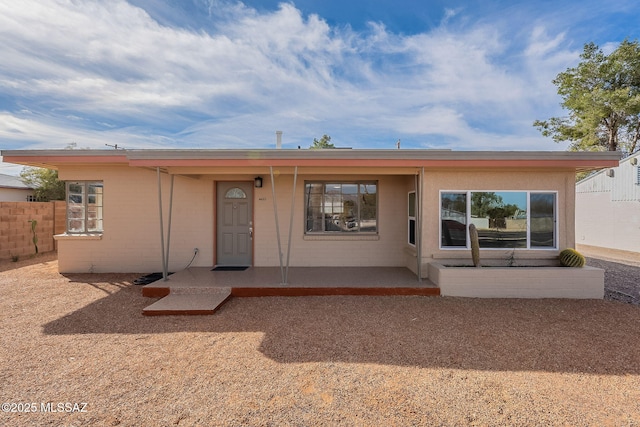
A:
(235, 193)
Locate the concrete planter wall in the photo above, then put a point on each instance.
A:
(518, 282)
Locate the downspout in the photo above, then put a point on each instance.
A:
(275, 213)
(293, 204)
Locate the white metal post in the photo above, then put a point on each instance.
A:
(419, 206)
(293, 205)
(164, 261)
(169, 227)
(275, 213)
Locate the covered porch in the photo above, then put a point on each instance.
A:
(302, 211)
(199, 290)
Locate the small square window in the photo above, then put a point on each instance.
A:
(84, 207)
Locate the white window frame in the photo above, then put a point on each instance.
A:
(85, 204)
(411, 218)
(338, 233)
(468, 220)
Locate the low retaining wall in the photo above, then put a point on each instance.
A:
(518, 282)
(16, 238)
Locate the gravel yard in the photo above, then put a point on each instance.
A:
(359, 361)
(622, 281)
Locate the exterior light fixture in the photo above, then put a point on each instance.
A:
(257, 182)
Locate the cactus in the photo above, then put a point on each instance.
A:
(571, 258)
(475, 245)
(33, 231)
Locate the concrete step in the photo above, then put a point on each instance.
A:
(189, 302)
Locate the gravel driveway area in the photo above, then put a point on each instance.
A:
(622, 281)
(353, 361)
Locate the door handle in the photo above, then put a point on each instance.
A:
(251, 232)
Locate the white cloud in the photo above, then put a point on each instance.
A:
(44, 133)
(107, 72)
(449, 14)
(545, 57)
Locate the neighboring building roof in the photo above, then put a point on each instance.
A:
(621, 181)
(325, 157)
(10, 181)
(629, 160)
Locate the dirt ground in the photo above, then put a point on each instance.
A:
(76, 350)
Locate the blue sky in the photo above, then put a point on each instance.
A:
(463, 75)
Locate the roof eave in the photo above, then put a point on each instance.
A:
(319, 158)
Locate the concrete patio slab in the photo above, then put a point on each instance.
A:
(267, 281)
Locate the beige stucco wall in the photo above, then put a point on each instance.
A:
(506, 282)
(385, 249)
(410, 252)
(489, 180)
(131, 238)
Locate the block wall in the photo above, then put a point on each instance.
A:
(16, 237)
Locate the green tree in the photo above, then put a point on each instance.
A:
(482, 203)
(325, 142)
(602, 96)
(44, 182)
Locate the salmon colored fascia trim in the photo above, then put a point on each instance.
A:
(58, 160)
(373, 163)
(484, 163)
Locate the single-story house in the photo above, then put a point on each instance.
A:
(311, 208)
(12, 189)
(608, 207)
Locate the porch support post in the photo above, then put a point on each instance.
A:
(166, 264)
(164, 261)
(293, 204)
(419, 187)
(275, 214)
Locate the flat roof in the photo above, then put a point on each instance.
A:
(10, 181)
(317, 158)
